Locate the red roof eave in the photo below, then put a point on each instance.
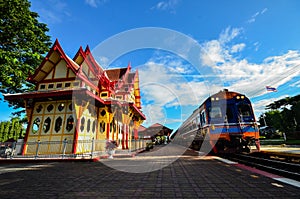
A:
(45, 94)
(138, 110)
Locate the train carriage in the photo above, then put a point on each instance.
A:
(226, 121)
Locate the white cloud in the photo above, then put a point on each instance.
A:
(256, 45)
(243, 76)
(164, 85)
(92, 3)
(56, 11)
(103, 61)
(213, 53)
(251, 78)
(296, 84)
(168, 82)
(237, 48)
(229, 34)
(169, 5)
(253, 17)
(95, 3)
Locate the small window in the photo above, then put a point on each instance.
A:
(70, 123)
(111, 128)
(103, 112)
(88, 125)
(36, 125)
(82, 124)
(68, 84)
(47, 124)
(58, 85)
(94, 126)
(58, 124)
(75, 84)
(102, 127)
(50, 108)
(104, 94)
(119, 97)
(39, 108)
(61, 107)
(50, 86)
(71, 107)
(42, 86)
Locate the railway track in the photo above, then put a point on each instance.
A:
(275, 166)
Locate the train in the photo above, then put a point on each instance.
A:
(223, 123)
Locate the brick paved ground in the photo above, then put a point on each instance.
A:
(187, 177)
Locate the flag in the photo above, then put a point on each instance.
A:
(269, 88)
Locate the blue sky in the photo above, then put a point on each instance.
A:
(243, 46)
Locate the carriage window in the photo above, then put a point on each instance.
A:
(198, 120)
(203, 118)
(215, 112)
(244, 109)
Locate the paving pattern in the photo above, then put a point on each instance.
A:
(187, 176)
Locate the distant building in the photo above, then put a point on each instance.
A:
(78, 101)
(154, 131)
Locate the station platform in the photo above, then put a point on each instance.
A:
(163, 173)
(286, 150)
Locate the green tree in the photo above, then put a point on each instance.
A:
(6, 131)
(284, 114)
(2, 126)
(272, 118)
(296, 111)
(11, 129)
(23, 41)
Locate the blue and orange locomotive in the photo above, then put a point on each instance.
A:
(225, 122)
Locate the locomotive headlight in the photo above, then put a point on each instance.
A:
(242, 97)
(213, 127)
(217, 98)
(212, 99)
(237, 97)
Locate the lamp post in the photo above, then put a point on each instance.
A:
(264, 115)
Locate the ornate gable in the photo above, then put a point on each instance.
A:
(56, 65)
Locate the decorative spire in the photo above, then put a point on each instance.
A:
(129, 65)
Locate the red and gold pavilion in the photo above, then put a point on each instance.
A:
(76, 100)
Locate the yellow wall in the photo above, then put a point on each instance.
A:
(45, 126)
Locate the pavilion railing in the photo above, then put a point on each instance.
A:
(64, 149)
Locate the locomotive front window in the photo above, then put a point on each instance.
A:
(244, 110)
(229, 113)
(215, 112)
